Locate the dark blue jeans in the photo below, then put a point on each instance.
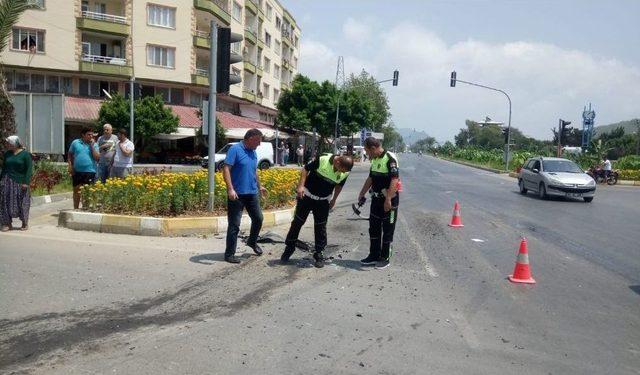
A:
(234, 214)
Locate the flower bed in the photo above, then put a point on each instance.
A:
(174, 194)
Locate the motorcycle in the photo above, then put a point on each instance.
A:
(600, 176)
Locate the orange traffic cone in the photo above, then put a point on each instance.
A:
(456, 220)
(521, 272)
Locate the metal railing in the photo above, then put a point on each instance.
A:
(202, 72)
(222, 4)
(103, 59)
(104, 17)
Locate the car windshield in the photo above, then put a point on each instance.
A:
(560, 166)
(224, 149)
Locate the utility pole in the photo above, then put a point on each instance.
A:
(211, 116)
(507, 156)
(131, 91)
(339, 85)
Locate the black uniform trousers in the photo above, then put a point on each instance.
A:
(381, 227)
(320, 209)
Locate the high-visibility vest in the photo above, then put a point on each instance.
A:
(326, 171)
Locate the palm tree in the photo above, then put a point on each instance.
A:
(10, 11)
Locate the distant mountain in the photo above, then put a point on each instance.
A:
(410, 136)
(629, 126)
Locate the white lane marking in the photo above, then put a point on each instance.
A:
(477, 240)
(431, 271)
(465, 329)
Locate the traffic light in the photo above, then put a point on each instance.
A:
(225, 58)
(505, 132)
(564, 131)
(453, 79)
(395, 77)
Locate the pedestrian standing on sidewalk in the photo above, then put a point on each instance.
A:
(383, 182)
(300, 155)
(82, 157)
(15, 193)
(107, 148)
(320, 184)
(286, 154)
(240, 173)
(123, 159)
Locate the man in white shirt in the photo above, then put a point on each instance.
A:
(107, 148)
(123, 160)
(606, 167)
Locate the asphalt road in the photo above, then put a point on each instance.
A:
(76, 302)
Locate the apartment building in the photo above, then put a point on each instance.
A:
(88, 48)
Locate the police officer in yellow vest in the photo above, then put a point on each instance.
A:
(383, 184)
(320, 184)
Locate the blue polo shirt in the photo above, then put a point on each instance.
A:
(83, 160)
(243, 164)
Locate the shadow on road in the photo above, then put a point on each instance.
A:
(207, 259)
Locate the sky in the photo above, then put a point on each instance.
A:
(552, 57)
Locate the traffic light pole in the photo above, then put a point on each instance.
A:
(211, 116)
(506, 163)
(559, 149)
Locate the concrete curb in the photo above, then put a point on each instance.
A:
(44, 199)
(161, 227)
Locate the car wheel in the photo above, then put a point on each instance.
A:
(588, 199)
(264, 164)
(542, 191)
(523, 190)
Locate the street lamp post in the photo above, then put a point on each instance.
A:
(453, 84)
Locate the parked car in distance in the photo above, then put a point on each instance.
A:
(556, 177)
(264, 152)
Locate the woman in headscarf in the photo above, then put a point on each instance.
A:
(15, 194)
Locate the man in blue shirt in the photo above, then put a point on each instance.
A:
(241, 176)
(83, 154)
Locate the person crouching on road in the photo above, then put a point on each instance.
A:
(383, 182)
(318, 180)
(15, 178)
(241, 176)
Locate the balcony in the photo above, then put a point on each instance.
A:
(259, 71)
(289, 18)
(250, 36)
(248, 95)
(219, 8)
(284, 85)
(251, 6)
(250, 67)
(200, 76)
(105, 65)
(103, 23)
(201, 39)
(286, 37)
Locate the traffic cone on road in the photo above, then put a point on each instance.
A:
(521, 272)
(456, 220)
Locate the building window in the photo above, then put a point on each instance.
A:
(177, 96)
(37, 83)
(278, 23)
(265, 90)
(161, 16)
(276, 95)
(276, 71)
(235, 71)
(195, 99)
(9, 76)
(295, 63)
(96, 88)
(269, 12)
(267, 64)
(53, 84)
(267, 39)
(36, 3)
(235, 47)
(161, 56)
(22, 82)
(278, 47)
(164, 93)
(237, 12)
(67, 85)
(28, 40)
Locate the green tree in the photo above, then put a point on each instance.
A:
(425, 145)
(366, 86)
(355, 113)
(392, 139)
(10, 12)
(221, 135)
(151, 117)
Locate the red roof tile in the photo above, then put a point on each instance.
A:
(86, 110)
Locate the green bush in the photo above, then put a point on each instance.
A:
(628, 174)
(628, 162)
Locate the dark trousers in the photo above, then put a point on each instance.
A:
(320, 211)
(381, 227)
(234, 214)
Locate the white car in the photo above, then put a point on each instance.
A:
(264, 152)
(556, 177)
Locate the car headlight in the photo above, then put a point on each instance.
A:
(591, 183)
(556, 181)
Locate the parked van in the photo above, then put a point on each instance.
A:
(264, 152)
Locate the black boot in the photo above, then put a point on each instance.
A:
(288, 251)
(319, 259)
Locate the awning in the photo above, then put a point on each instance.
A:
(268, 134)
(182, 132)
